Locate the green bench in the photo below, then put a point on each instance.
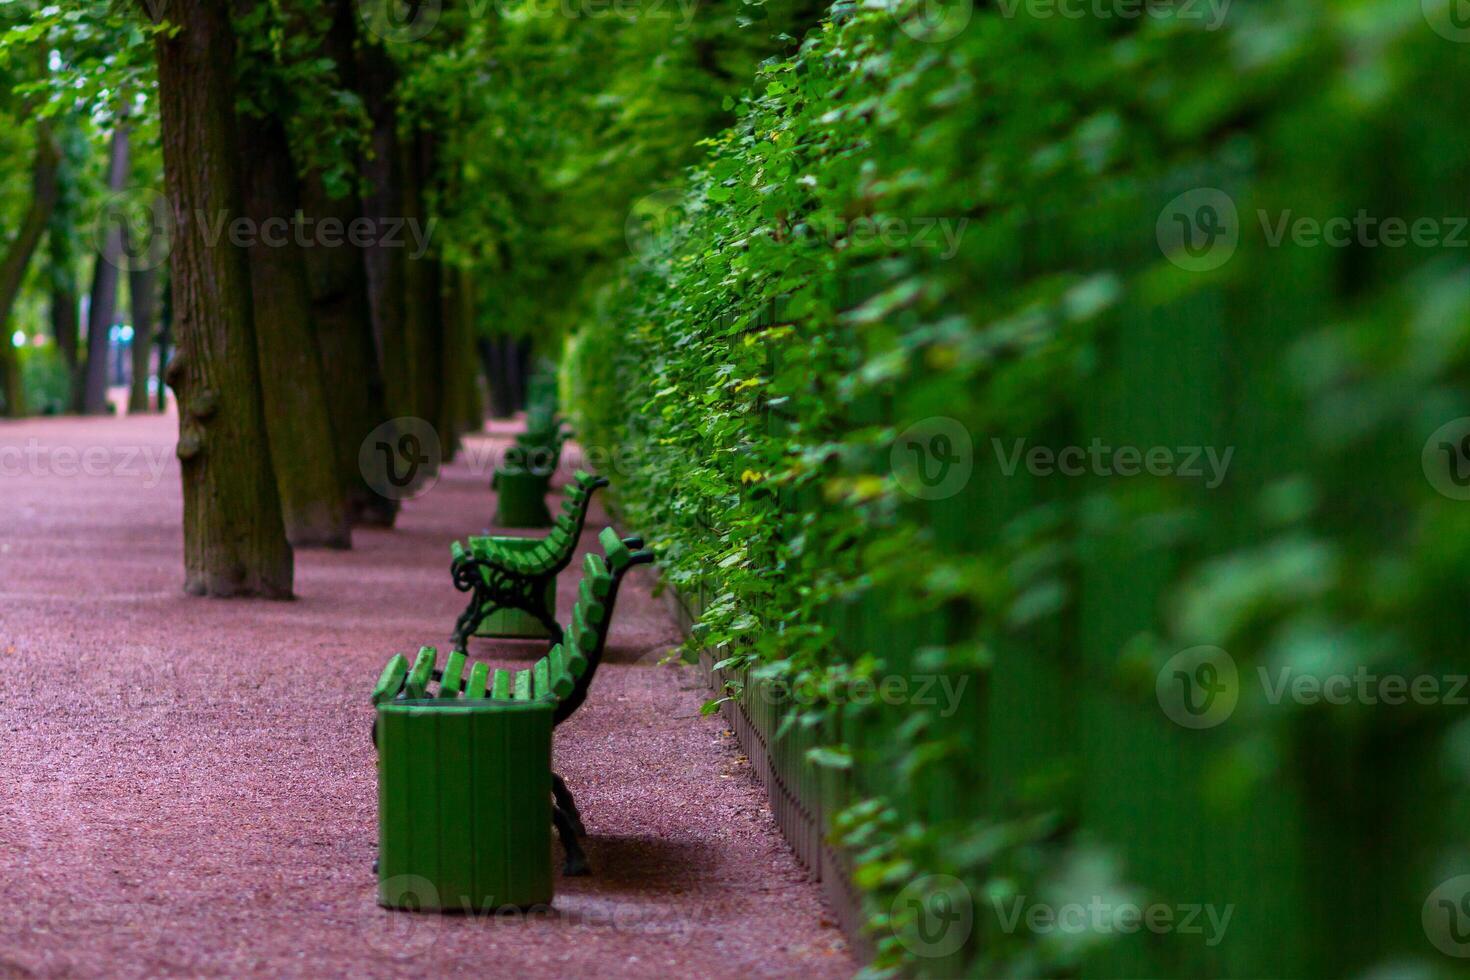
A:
(512, 580)
(521, 481)
(562, 677)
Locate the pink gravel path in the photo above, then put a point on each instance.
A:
(187, 786)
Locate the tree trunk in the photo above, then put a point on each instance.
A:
(386, 273)
(313, 502)
(234, 538)
(165, 338)
(461, 395)
(65, 319)
(103, 308)
(344, 325)
(142, 300)
(424, 309)
(65, 328)
(18, 256)
(496, 357)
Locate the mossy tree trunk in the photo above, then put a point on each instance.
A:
(18, 256)
(461, 410)
(303, 445)
(383, 204)
(424, 306)
(234, 538)
(142, 301)
(342, 313)
(102, 309)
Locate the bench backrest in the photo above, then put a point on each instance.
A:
(554, 552)
(563, 675)
(580, 651)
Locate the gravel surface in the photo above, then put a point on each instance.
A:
(187, 786)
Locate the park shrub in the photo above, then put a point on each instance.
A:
(785, 352)
(46, 379)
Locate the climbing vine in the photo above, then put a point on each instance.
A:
(967, 232)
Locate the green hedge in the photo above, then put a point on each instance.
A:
(771, 369)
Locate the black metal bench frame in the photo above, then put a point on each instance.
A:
(494, 585)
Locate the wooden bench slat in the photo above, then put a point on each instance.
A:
(500, 690)
(596, 571)
(390, 682)
(417, 683)
(576, 661)
(540, 678)
(618, 555)
(449, 682)
(562, 681)
(592, 607)
(523, 685)
(479, 674)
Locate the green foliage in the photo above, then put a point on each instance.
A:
(46, 379)
(552, 119)
(748, 379)
(283, 74)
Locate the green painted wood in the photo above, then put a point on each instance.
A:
(479, 675)
(593, 611)
(560, 678)
(617, 553)
(500, 689)
(521, 499)
(522, 690)
(595, 571)
(416, 685)
(540, 678)
(464, 794)
(576, 661)
(452, 680)
(390, 682)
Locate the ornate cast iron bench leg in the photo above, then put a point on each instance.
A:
(567, 804)
(576, 863)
